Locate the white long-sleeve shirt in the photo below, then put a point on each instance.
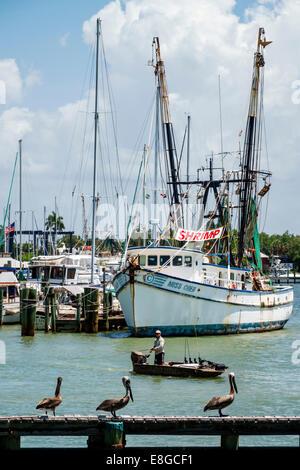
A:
(159, 345)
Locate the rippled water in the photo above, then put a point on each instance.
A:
(92, 367)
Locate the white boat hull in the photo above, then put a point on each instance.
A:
(181, 307)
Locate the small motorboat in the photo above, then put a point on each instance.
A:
(201, 368)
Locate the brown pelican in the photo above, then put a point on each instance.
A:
(114, 404)
(49, 404)
(218, 403)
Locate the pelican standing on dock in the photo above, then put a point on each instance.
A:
(49, 404)
(218, 403)
(114, 404)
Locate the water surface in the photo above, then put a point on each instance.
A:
(92, 367)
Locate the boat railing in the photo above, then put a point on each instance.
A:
(218, 281)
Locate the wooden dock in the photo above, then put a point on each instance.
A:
(104, 432)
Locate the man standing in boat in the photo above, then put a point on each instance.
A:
(158, 348)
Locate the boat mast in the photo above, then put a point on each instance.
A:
(20, 202)
(249, 164)
(95, 153)
(168, 133)
(188, 154)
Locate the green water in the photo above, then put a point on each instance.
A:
(92, 367)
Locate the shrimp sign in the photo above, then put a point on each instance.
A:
(193, 236)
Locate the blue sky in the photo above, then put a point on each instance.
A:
(200, 37)
(31, 31)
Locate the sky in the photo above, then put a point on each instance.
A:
(45, 62)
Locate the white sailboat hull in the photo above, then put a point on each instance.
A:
(181, 307)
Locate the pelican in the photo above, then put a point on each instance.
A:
(49, 404)
(218, 403)
(114, 404)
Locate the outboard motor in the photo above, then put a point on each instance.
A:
(138, 357)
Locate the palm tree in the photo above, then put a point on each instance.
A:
(54, 224)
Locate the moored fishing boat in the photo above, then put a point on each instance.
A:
(209, 280)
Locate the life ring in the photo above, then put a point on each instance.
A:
(233, 286)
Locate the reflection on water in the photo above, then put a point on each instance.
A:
(92, 367)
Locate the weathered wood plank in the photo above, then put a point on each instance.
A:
(168, 425)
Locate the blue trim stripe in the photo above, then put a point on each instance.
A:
(203, 330)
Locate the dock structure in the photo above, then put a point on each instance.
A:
(104, 432)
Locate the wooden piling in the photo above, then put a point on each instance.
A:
(1, 307)
(53, 309)
(229, 442)
(104, 301)
(78, 311)
(46, 305)
(10, 442)
(111, 437)
(92, 308)
(28, 310)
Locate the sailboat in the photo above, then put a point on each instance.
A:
(208, 280)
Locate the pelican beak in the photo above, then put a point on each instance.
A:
(130, 393)
(234, 384)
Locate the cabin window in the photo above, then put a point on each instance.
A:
(188, 261)
(35, 273)
(232, 276)
(142, 260)
(57, 272)
(177, 261)
(46, 272)
(152, 260)
(163, 259)
(71, 273)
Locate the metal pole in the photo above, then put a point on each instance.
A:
(95, 153)
(20, 201)
(188, 153)
(44, 244)
(156, 161)
(221, 129)
(5, 236)
(144, 196)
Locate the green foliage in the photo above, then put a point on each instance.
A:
(285, 245)
(54, 223)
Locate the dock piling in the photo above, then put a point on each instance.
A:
(111, 437)
(91, 309)
(230, 442)
(53, 309)
(78, 311)
(12, 442)
(1, 307)
(28, 310)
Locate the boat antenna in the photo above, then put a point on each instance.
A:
(221, 126)
(95, 152)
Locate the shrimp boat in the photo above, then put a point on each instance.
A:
(208, 280)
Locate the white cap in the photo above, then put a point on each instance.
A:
(158, 331)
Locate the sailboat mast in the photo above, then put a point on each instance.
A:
(95, 153)
(20, 202)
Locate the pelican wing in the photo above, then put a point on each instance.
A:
(106, 405)
(218, 402)
(48, 403)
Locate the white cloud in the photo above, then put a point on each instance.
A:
(33, 78)
(10, 75)
(199, 40)
(63, 39)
